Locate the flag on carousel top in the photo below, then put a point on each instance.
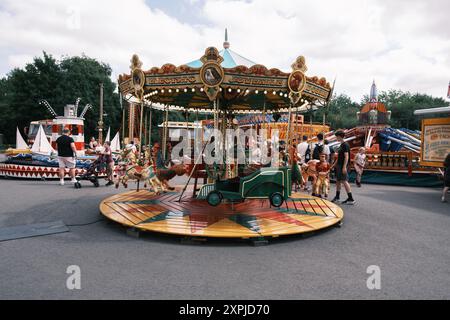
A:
(448, 91)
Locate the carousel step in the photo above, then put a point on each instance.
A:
(258, 242)
(133, 232)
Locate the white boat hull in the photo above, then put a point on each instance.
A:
(33, 172)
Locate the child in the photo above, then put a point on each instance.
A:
(309, 171)
(360, 161)
(446, 178)
(323, 181)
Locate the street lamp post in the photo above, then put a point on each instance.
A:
(100, 121)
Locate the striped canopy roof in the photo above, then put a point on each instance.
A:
(231, 59)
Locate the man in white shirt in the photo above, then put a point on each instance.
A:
(326, 149)
(302, 148)
(322, 148)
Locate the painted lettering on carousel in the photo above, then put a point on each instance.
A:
(316, 91)
(253, 81)
(172, 80)
(126, 87)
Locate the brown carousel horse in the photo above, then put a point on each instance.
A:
(309, 170)
(322, 185)
(164, 175)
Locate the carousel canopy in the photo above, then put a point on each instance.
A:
(226, 81)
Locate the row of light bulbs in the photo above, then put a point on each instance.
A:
(282, 94)
(211, 111)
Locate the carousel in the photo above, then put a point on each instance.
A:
(233, 201)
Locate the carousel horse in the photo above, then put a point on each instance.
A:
(146, 174)
(322, 184)
(309, 171)
(164, 175)
(133, 169)
(128, 157)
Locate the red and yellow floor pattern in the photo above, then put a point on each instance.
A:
(253, 218)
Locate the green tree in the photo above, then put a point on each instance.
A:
(340, 113)
(403, 104)
(60, 83)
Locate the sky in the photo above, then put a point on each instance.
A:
(401, 44)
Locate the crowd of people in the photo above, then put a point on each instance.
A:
(314, 162)
(67, 157)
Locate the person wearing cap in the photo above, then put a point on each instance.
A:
(66, 155)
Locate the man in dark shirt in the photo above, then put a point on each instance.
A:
(341, 164)
(66, 155)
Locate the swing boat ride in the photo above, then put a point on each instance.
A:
(223, 84)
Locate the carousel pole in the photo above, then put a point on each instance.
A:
(288, 137)
(131, 110)
(163, 138)
(150, 125)
(264, 117)
(123, 122)
(144, 127)
(140, 125)
(123, 114)
(216, 122)
(165, 131)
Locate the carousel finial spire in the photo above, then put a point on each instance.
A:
(226, 44)
(373, 93)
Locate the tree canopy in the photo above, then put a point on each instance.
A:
(60, 83)
(341, 111)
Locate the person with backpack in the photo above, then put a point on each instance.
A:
(320, 148)
(304, 150)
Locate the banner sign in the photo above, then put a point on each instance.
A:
(435, 141)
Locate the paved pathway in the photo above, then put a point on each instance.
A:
(405, 231)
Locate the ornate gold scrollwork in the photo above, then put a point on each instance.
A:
(297, 80)
(211, 73)
(137, 76)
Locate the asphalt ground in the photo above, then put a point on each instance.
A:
(402, 230)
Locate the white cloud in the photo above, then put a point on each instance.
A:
(401, 44)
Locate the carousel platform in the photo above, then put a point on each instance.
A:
(252, 219)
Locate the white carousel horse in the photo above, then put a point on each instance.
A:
(146, 174)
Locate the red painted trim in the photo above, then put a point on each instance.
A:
(79, 145)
